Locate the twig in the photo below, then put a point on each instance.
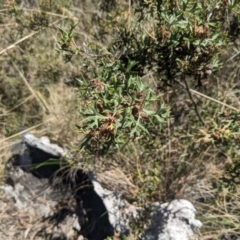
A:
(18, 105)
(29, 87)
(26, 130)
(194, 104)
(129, 13)
(231, 58)
(50, 13)
(17, 42)
(26, 37)
(214, 100)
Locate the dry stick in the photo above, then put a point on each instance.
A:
(169, 136)
(50, 13)
(231, 58)
(194, 104)
(29, 87)
(18, 105)
(17, 42)
(149, 34)
(28, 36)
(129, 13)
(26, 130)
(214, 100)
(9, 145)
(44, 102)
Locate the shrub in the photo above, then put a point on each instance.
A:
(170, 39)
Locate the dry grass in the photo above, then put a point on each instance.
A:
(115, 180)
(33, 93)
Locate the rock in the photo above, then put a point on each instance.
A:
(70, 204)
(120, 212)
(38, 204)
(173, 221)
(35, 190)
(41, 185)
(43, 144)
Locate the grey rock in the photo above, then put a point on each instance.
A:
(43, 144)
(35, 198)
(105, 209)
(173, 221)
(120, 212)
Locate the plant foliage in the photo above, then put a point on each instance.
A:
(173, 39)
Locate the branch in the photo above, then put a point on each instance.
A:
(191, 98)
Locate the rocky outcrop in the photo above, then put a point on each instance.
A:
(55, 202)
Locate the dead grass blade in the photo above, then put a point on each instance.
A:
(17, 42)
(26, 130)
(30, 88)
(52, 14)
(28, 36)
(18, 105)
(214, 100)
(44, 102)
